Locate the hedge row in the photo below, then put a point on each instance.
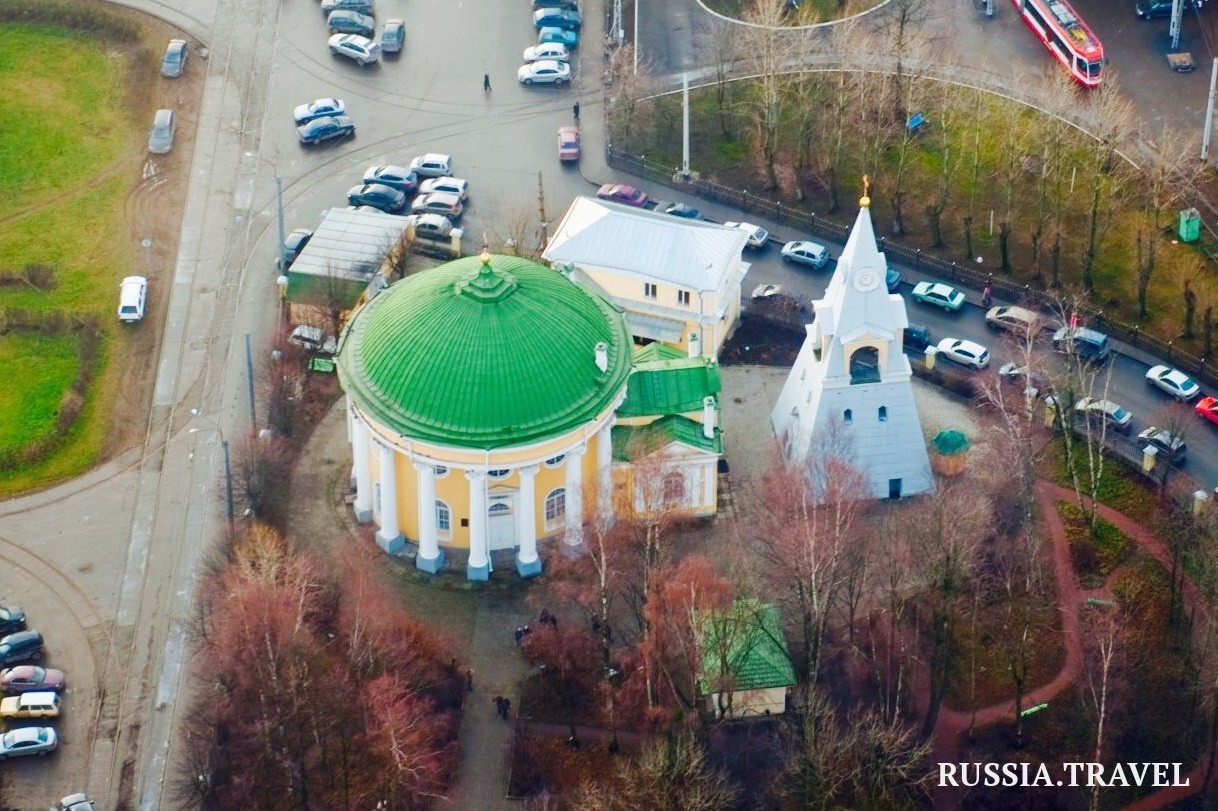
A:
(96, 20)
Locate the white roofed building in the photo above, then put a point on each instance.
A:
(678, 281)
(849, 394)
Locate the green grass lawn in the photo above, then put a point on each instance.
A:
(64, 183)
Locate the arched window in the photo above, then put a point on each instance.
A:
(439, 471)
(556, 507)
(883, 413)
(865, 365)
(555, 461)
(444, 519)
(498, 474)
(674, 487)
(848, 416)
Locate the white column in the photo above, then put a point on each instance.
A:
(573, 534)
(390, 535)
(430, 557)
(604, 473)
(479, 567)
(363, 470)
(527, 562)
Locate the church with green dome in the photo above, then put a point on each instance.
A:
(494, 403)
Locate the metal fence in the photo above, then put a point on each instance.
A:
(964, 275)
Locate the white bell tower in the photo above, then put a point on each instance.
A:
(849, 393)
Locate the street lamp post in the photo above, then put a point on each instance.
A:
(228, 471)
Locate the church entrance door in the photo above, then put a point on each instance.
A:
(501, 522)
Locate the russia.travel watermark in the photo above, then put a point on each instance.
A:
(1089, 775)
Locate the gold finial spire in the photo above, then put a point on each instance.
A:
(486, 251)
(865, 200)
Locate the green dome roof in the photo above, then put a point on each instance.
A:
(484, 356)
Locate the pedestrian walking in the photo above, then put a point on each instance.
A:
(499, 706)
(519, 635)
(469, 679)
(486, 83)
(507, 708)
(575, 111)
(526, 630)
(987, 295)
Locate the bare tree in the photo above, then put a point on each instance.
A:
(1111, 117)
(1104, 634)
(673, 773)
(1171, 174)
(772, 49)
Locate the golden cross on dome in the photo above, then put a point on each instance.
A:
(865, 201)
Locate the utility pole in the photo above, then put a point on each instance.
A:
(1209, 112)
(684, 126)
(541, 207)
(636, 37)
(283, 250)
(249, 371)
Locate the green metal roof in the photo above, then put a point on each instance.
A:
(669, 386)
(641, 440)
(656, 351)
(746, 644)
(484, 355)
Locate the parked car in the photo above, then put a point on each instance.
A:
(766, 291)
(21, 678)
(12, 619)
(76, 802)
(377, 195)
(358, 6)
(346, 21)
(806, 252)
(1152, 9)
(1096, 410)
(160, 137)
(567, 18)
(966, 353)
(917, 336)
(430, 226)
(554, 3)
(30, 705)
(313, 339)
(562, 36)
(449, 205)
(568, 143)
(1020, 374)
(293, 244)
(621, 193)
(758, 236)
(433, 164)
(320, 108)
(356, 47)
(393, 36)
(1169, 446)
(1087, 344)
(28, 741)
(324, 129)
(396, 177)
(1017, 320)
(173, 64)
(547, 71)
(132, 298)
(1207, 408)
(938, 294)
(679, 210)
(1173, 382)
(20, 646)
(892, 280)
(448, 185)
(547, 50)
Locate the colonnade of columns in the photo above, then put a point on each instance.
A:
(431, 557)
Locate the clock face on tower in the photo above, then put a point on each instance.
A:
(866, 281)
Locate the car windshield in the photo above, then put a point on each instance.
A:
(1119, 414)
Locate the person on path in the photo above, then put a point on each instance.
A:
(519, 635)
(987, 295)
(469, 679)
(575, 111)
(486, 83)
(507, 708)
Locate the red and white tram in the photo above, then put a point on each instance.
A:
(1066, 36)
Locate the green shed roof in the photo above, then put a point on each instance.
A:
(669, 386)
(656, 351)
(746, 645)
(484, 352)
(645, 439)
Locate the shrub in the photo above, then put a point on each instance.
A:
(95, 20)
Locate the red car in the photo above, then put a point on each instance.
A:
(1208, 408)
(568, 143)
(28, 678)
(620, 193)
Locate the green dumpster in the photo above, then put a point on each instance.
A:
(323, 365)
(1190, 225)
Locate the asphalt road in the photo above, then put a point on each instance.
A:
(111, 556)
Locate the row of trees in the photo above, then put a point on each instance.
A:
(313, 688)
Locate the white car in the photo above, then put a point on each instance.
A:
(1174, 383)
(360, 49)
(313, 339)
(1119, 418)
(438, 202)
(767, 290)
(546, 71)
(318, 109)
(448, 185)
(433, 164)
(806, 252)
(966, 353)
(758, 236)
(547, 50)
(132, 296)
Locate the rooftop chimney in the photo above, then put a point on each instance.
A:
(695, 348)
(602, 356)
(708, 417)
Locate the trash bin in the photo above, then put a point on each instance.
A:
(1190, 225)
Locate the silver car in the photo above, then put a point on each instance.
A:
(433, 164)
(160, 139)
(546, 71)
(174, 63)
(28, 741)
(358, 6)
(355, 47)
(449, 185)
(393, 37)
